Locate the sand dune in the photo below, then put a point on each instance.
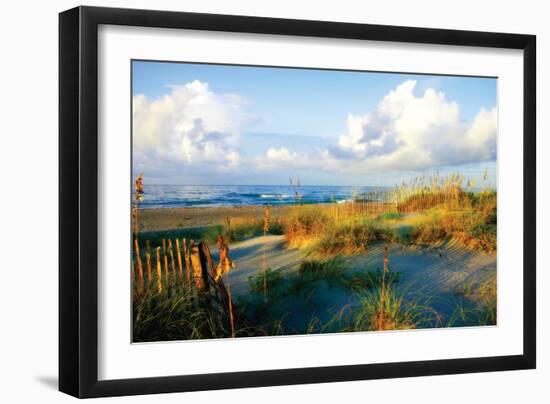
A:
(436, 271)
(249, 258)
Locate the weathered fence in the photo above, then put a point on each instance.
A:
(381, 202)
(183, 268)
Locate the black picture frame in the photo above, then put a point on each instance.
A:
(78, 200)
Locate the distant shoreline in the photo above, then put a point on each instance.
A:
(169, 196)
(221, 197)
(252, 205)
(163, 219)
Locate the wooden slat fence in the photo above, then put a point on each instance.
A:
(180, 268)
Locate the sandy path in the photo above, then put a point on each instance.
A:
(248, 256)
(430, 268)
(432, 272)
(436, 272)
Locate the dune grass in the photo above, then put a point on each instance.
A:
(294, 290)
(474, 225)
(444, 209)
(312, 271)
(274, 279)
(383, 309)
(346, 239)
(178, 315)
(299, 281)
(440, 212)
(361, 281)
(175, 317)
(333, 271)
(484, 297)
(424, 213)
(305, 226)
(315, 230)
(448, 208)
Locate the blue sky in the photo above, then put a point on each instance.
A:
(370, 128)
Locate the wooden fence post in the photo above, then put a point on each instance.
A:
(197, 267)
(140, 268)
(159, 272)
(225, 264)
(148, 256)
(180, 271)
(165, 257)
(206, 259)
(187, 264)
(172, 260)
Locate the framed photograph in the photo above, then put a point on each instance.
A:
(251, 201)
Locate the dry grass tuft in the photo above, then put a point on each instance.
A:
(305, 226)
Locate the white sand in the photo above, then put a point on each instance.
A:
(434, 271)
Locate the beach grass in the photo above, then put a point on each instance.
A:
(474, 225)
(332, 271)
(174, 317)
(385, 308)
(305, 226)
(274, 279)
(428, 212)
(437, 216)
(484, 295)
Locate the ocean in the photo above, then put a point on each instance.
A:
(172, 196)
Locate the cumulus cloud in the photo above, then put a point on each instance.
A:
(407, 132)
(190, 125)
(281, 154)
(278, 157)
(194, 126)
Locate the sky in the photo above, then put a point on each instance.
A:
(222, 124)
